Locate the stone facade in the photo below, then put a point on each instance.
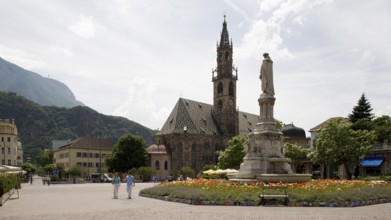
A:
(11, 149)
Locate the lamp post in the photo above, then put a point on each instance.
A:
(100, 159)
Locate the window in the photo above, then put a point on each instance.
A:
(78, 163)
(78, 154)
(84, 155)
(231, 90)
(8, 139)
(2, 139)
(84, 164)
(90, 155)
(9, 150)
(97, 155)
(157, 165)
(97, 165)
(220, 105)
(90, 164)
(2, 151)
(166, 165)
(220, 88)
(9, 162)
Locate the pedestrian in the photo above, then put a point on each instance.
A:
(129, 184)
(116, 184)
(48, 179)
(31, 179)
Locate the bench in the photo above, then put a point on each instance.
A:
(266, 194)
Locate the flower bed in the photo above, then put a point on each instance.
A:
(346, 193)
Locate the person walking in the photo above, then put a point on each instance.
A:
(116, 184)
(129, 184)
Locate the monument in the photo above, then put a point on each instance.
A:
(264, 161)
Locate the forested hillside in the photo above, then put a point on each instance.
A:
(42, 90)
(39, 125)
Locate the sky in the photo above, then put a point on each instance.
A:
(136, 58)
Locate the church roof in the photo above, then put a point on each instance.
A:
(157, 149)
(196, 118)
(291, 131)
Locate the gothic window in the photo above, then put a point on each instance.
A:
(220, 105)
(166, 165)
(226, 55)
(231, 91)
(157, 165)
(180, 154)
(220, 88)
(194, 155)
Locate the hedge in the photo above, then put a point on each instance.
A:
(7, 183)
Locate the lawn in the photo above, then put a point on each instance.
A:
(314, 191)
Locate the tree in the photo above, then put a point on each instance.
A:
(297, 154)
(128, 153)
(49, 168)
(146, 173)
(29, 168)
(338, 144)
(382, 127)
(186, 171)
(362, 111)
(233, 155)
(76, 171)
(44, 157)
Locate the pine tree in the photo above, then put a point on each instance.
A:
(362, 111)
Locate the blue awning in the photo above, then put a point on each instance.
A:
(372, 162)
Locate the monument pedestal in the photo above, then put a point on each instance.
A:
(264, 160)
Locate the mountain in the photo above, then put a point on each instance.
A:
(39, 89)
(38, 125)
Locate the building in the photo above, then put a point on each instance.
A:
(194, 131)
(160, 158)
(378, 162)
(11, 149)
(295, 135)
(88, 152)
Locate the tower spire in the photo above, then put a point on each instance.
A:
(224, 39)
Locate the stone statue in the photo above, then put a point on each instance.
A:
(267, 75)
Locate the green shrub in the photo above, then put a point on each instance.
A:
(7, 183)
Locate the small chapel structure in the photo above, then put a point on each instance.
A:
(194, 131)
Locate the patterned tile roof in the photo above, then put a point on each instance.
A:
(196, 118)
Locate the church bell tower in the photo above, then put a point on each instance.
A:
(224, 79)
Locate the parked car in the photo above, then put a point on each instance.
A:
(101, 178)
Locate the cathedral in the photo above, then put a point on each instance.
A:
(194, 131)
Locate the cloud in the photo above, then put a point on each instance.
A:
(266, 31)
(140, 105)
(84, 27)
(22, 58)
(62, 50)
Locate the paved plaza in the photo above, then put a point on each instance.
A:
(94, 201)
